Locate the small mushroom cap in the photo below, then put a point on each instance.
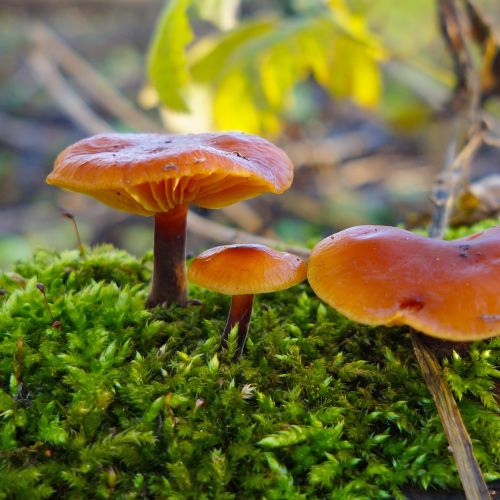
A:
(246, 269)
(150, 173)
(381, 275)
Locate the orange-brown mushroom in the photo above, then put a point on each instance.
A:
(243, 271)
(160, 174)
(381, 275)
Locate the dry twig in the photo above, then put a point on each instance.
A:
(244, 216)
(28, 135)
(218, 232)
(64, 96)
(447, 184)
(461, 446)
(93, 84)
(492, 141)
(468, 136)
(332, 150)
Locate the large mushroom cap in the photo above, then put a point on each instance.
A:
(151, 173)
(246, 269)
(382, 275)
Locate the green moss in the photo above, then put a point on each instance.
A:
(126, 403)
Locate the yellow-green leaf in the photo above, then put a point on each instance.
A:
(221, 13)
(211, 56)
(167, 62)
(235, 107)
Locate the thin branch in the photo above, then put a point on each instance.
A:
(492, 141)
(304, 206)
(467, 137)
(447, 184)
(244, 216)
(64, 96)
(97, 87)
(220, 233)
(332, 150)
(29, 135)
(451, 28)
(461, 445)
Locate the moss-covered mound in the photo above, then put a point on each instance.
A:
(126, 403)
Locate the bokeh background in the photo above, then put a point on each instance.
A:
(367, 152)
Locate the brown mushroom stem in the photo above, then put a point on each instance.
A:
(240, 312)
(169, 264)
(460, 442)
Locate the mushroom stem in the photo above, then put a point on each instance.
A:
(169, 264)
(240, 312)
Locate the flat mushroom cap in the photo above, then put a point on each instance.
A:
(151, 173)
(246, 269)
(381, 275)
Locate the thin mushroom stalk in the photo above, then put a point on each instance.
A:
(240, 313)
(242, 271)
(169, 283)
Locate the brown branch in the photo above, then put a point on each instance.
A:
(481, 29)
(97, 87)
(492, 141)
(461, 445)
(23, 133)
(64, 96)
(468, 136)
(447, 184)
(244, 216)
(487, 39)
(223, 234)
(331, 150)
(451, 28)
(304, 206)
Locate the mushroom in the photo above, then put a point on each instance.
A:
(381, 275)
(160, 174)
(243, 271)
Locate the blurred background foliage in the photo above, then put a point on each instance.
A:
(350, 89)
(258, 65)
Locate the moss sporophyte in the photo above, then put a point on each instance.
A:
(125, 402)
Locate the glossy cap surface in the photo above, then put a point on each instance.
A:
(246, 269)
(151, 173)
(381, 275)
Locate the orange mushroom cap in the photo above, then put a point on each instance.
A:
(152, 173)
(381, 275)
(246, 269)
